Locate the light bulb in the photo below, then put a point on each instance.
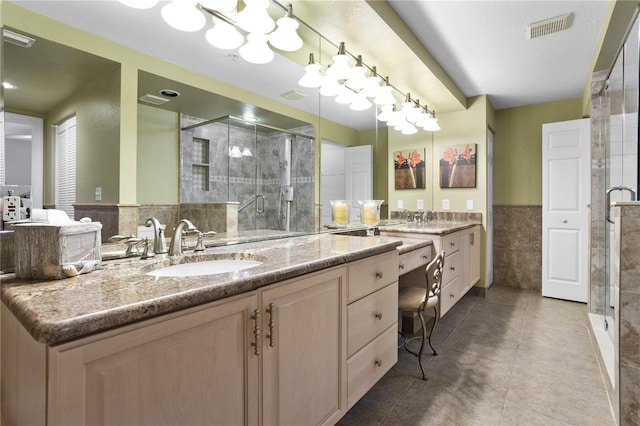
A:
(372, 86)
(183, 15)
(312, 77)
(247, 153)
(256, 50)
(409, 129)
(224, 35)
(384, 96)
(385, 113)
(234, 152)
(285, 36)
(339, 70)
(356, 78)
(345, 95)
(360, 103)
(329, 87)
(254, 18)
(220, 5)
(140, 4)
(432, 125)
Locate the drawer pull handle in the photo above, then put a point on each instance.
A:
(256, 332)
(379, 275)
(452, 268)
(378, 362)
(425, 257)
(401, 266)
(451, 296)
(453, 244)
(378, 315)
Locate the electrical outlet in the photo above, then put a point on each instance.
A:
(400, 205)
(445, 204)
(420, 204)
(469, 204)
(98, 193)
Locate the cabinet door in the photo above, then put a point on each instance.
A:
(198, 368)
(304, 350)
(470, 250)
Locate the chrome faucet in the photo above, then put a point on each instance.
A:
(176, 241)
(429, 215)
(159, 242)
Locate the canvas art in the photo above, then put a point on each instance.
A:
(458, 166)
(409, 168)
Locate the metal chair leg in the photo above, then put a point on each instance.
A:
(424, 337)
(433, 327)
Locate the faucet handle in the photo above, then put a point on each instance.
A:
(200, 243)
(145, 253)
(132, 246)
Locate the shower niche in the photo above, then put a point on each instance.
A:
(244, 178)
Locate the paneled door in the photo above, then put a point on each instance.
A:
(566, 182)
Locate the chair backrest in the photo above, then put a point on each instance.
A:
(434, 275)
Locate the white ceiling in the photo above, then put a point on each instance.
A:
(481, 45)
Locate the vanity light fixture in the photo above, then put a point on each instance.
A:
(356, 79)
(340, 68)
(17, 38)
(312, 77)
(385, 95)
(360, 102)
(8, 86)
(224, 35)
(234, 152)
(247, 153)
(385, 112)
(256, 50)
(254, 18)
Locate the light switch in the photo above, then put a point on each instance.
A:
(98, 193)
(400, 205)
(420, 204)
(469, 204)
(445, 204)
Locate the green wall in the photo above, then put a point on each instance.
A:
(517, 149)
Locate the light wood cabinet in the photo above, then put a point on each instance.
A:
(273, 356)
(470, 251)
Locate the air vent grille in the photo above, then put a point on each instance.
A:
(153, 100)
(549, 26)
(294, 95)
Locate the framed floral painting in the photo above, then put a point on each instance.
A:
(409, 168)
(458, 166)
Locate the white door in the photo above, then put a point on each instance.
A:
(358, 173)
(332, 178)
(566, 183)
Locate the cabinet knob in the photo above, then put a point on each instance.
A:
(453, 268)
(378, 315)
(564, 221)
(451, 296)
(378, 362)
(425, 257)
(401, 266)
(379, 275)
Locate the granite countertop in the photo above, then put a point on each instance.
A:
(120, 293)
(431, 227)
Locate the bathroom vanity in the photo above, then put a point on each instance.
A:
(297, 339)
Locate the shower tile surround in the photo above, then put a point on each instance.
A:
(240, 179)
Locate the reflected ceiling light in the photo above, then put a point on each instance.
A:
(312, 77)
(329, 87)
(409, 129)
(140, 4)
(234, 152)
(183, 15)
(254, 18)
(372, 84)
(247, 153)
(360, 102)
(356, 78)
(256, 50)
(431, 124)
(224, 35)
(220, 5)
(285, 36)
(345, 95)
(385, 112)
(385, 97)
(339, 70)
(9, 86)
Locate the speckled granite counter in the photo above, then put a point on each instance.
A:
(57, 311)
(435, 227)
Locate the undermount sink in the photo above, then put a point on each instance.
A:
(210, 267)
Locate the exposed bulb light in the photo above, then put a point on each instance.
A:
(224, 35)
(254, 18)
(339, 70)
(372, 84)
(285, 37)
(360, 103)
(183, 15)
(234, 152)
(431, 124)
(256, 50)
(219, 5)
(356, 78)
(385, 97)
(345, 95)
(247, 153)
(385, 113)
(8, 86)
(329, 87)
(140, 4)
(409, 129)
(312, 77)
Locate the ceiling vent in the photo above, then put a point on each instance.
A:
(549, 26)
(294, 95)
(152, 99)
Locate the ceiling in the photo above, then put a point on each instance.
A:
(439, 51)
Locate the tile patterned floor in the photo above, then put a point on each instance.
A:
(512, 358)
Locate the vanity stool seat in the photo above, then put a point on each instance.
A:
(418, 299)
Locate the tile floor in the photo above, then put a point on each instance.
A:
(512, 358)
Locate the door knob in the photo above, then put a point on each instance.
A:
(564, 220)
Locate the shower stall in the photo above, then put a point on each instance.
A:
(614, 178)
(264, 175)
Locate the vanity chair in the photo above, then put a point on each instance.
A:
(418, 300)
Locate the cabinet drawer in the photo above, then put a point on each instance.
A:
(414, 259)
(451, 268)
(368, 366)
(451, 243)
(371, 274)
(370, 316)
(449, 295)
